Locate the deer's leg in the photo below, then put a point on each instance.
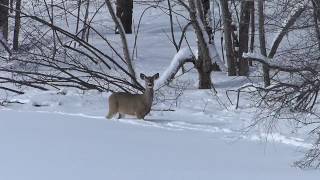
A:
(140, 116)
(112, 110)
(110, 115)
(120, 116)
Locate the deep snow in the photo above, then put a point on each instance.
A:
(37, 146)
(64, 135)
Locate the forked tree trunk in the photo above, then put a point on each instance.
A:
(227, 20)
(124, 10)
(17, 26)
(203, 63)
(4, 18)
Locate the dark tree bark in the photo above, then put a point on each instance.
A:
(4, 18)
(262, 39)
(11, 6)
(85, 28)
(124, 10)
(246, 7)
(316, 17)
(253, 30)
(227, 21)
(17, 26)
(78, 15)
(206, 17)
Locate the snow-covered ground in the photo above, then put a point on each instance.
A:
(37, 146)
(64, 135)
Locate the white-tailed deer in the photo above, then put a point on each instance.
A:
(138, 105)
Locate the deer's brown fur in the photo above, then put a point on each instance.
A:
(138, 105)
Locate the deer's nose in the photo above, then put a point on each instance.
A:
(149, 84)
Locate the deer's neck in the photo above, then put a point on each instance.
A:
(148, 96)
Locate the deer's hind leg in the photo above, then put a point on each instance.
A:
(112, 111)
(120, 116)
(140, 115)
(110, 115)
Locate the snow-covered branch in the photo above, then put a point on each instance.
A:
(184, 55)
(214, 55)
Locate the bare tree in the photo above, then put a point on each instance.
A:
(203, 63)
(295, 97)
(4, 13)
(48, 61)
(85, 28)
(262, 39)
(227, 29)
(124, 10)
(123, 39)
(246, 8)
(17, 26)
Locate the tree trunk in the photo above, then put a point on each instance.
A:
(11, 6)
(246, 7)
(226, 17)
(124, 12)
(203, 63)
(85, 27)
(17, 26)
(262, 40)
(316, 17)
(253, 30)
(78, 16)
(204, 79)
(4, 13)
(125, 47)
(208, 26)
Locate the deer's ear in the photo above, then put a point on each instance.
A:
(156, 76)
(142, 76)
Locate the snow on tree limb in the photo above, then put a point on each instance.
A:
(184, 55)
(214, 55)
